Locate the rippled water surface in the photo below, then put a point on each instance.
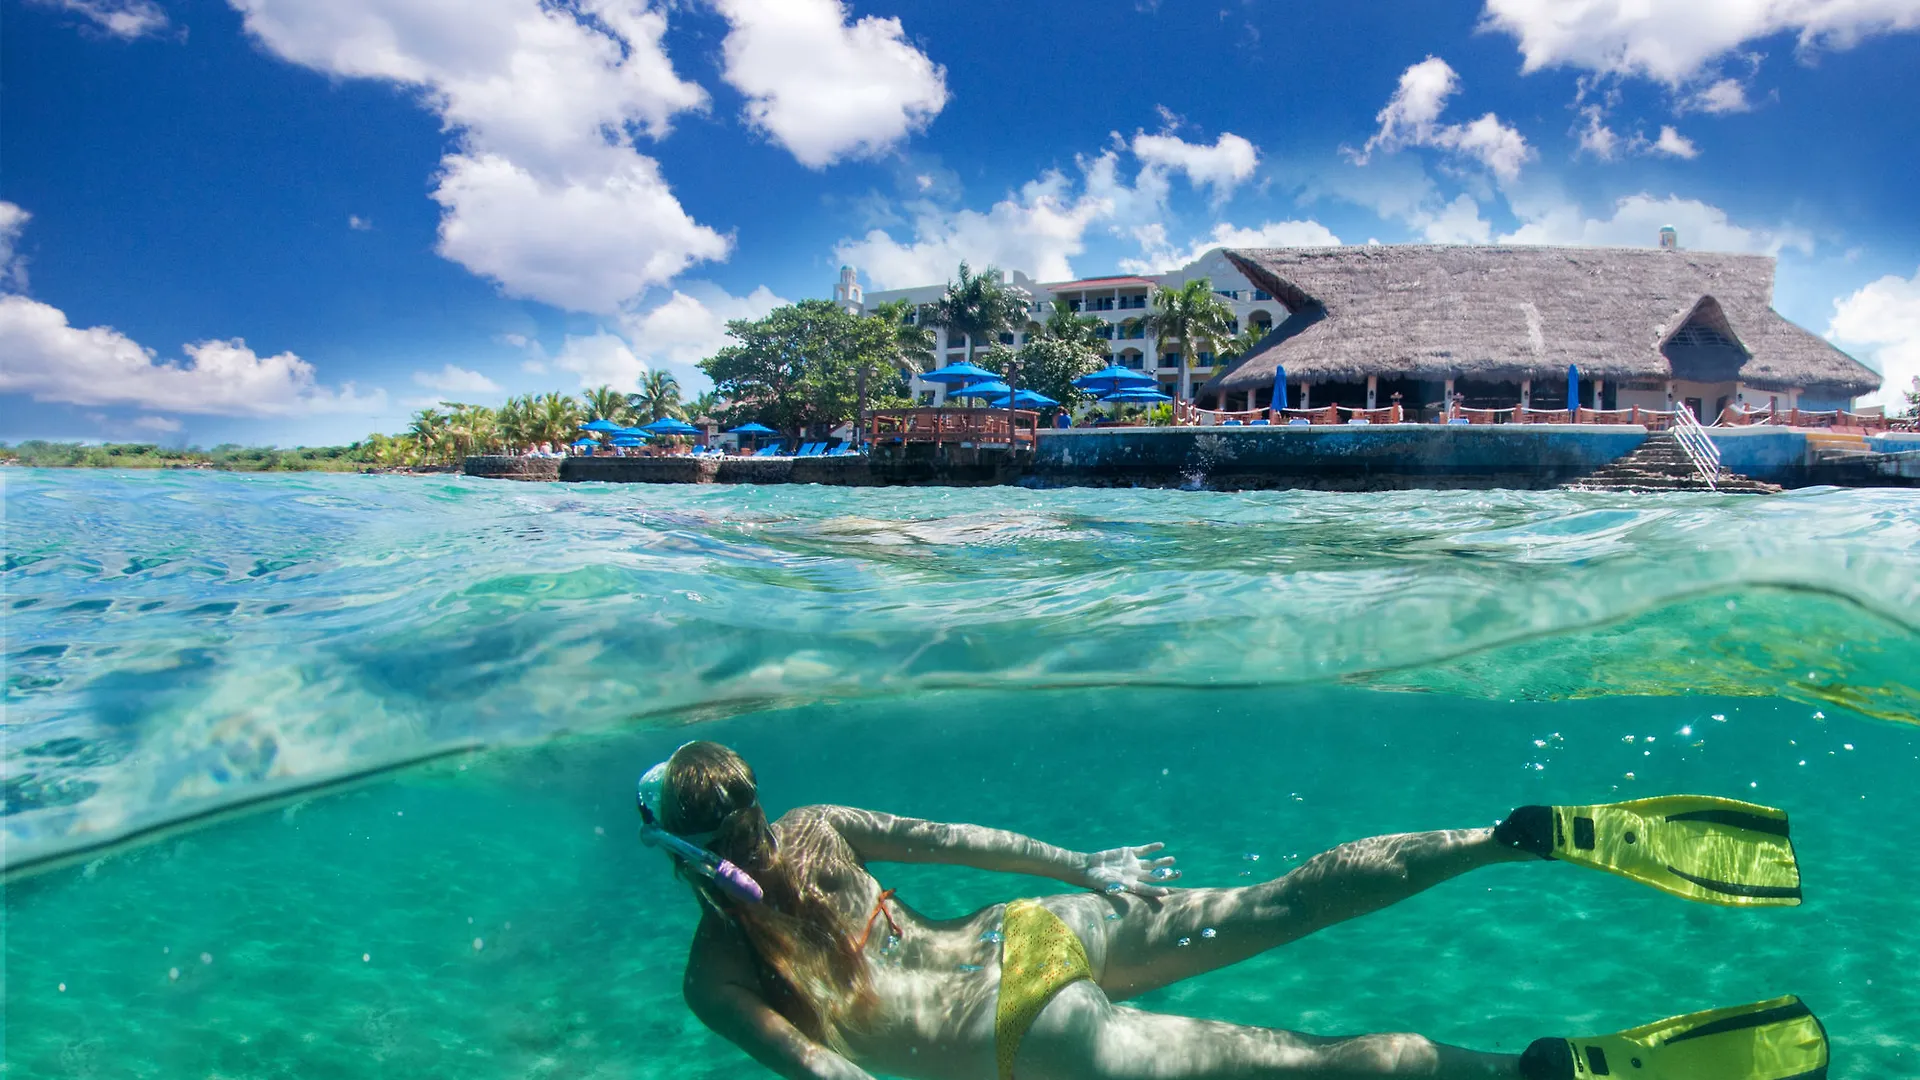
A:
(331, 775)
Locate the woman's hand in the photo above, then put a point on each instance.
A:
(1128, 869)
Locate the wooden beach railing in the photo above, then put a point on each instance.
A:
(977, 426)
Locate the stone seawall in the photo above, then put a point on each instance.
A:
(1376, 457)
(839, 472)
(504, 467)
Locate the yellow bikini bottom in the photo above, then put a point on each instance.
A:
(1039, 955)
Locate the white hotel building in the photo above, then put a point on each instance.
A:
(1120, 303)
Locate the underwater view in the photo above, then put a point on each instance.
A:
(333, 776)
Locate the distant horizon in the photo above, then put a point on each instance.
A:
(245, 226)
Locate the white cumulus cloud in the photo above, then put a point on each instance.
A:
(1220, 167)
(1674, 42)
(825, 89)
(164, 425)
(545, 193)
(674, 335)
(590, 241)
(1412, 118)
(1160, 256)
(124, 19)
(1636, 222)
(1883, 319)
(1037, 229)
(13, 265)
(456, 380)
(1719, 97)
(1674, 144)
(53, 361)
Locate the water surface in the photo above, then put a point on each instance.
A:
(1234, 674)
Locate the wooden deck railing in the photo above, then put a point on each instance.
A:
(977, 426)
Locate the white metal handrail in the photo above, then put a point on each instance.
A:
(1699, 448)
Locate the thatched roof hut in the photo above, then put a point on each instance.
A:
(1511, 313)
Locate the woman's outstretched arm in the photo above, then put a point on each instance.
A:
(880, 837)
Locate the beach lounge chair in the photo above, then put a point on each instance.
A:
(1458, 420)
(812, 449)
(1231, 423)
(1299, 421)
(1360, 420)
(1259, 423)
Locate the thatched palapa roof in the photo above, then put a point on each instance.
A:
(1508, 313)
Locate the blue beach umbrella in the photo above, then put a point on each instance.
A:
(755, 428)
(1024, 399)
(585, 442)
(991, 389)
(1134, 397)
(628, 440)
(1280, 387)
(1113, 378)
(604, 427)
(1573, 388)
(961, 373)
(667, 425)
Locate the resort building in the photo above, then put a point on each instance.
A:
(1121, 305)
(1364, 327)
(1657, 328)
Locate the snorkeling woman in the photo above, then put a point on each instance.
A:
(806, 963)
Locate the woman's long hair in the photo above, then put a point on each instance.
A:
(810, 968)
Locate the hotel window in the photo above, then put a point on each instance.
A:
(1006, 339)
(1233, 326)
(1206, 359)
(1133, 360)
(1101, 303)
(1073, 305)
(1262, 294)
(1105, 332)
(1171, 359)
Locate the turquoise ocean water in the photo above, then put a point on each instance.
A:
(368, 745)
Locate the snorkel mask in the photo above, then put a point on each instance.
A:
(731, 880)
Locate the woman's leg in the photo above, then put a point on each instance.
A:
(1162, 940)
(1081, 1035)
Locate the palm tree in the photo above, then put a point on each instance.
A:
(659, 397)
(709, 404)
(979, 306)
(1068, 325)
(1193, 317)
(430, 430)
(513, 420)
(555, 419)
(913, 343)
(1242, 343)
(471, 429)
(606, 403)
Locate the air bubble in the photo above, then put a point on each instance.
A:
(1183, 942)
(993, 936)
(478, 944)
(1251, 856)
(1208, 932)
(366, 958)
(174, 974)
(206, 958)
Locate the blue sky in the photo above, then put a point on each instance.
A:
(296, 221)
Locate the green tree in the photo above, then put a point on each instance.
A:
(1913, 397)
(800, 366)
(606, 403)
(553, 418)
(1240, 344)
(658, 397)
(431, 431)
(1067, 325)
(1192, 317)
(1048, 365)
(913, 343)
(979, 306)
(709, 404)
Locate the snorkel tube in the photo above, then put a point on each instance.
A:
(731, 880)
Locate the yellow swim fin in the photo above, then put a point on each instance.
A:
(1768, 1040)
(1718, 851)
